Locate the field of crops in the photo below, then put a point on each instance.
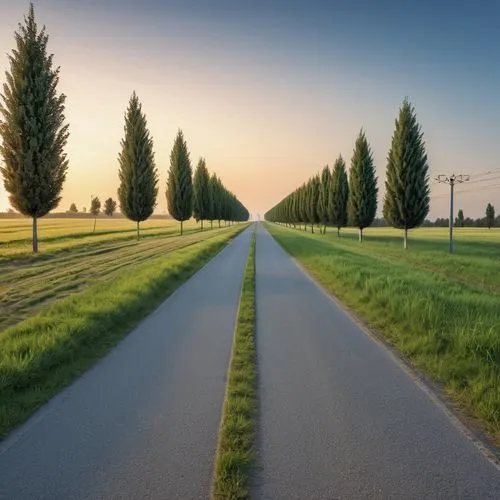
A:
(72, 257)
(441, 311)
(63, 234)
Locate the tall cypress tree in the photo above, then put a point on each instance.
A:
(180, 183)
(324, 197)
(211, 201)
(201, 192)
(223, 202)
(362, 202)
(33, 129)
(296, 208)
(406, 202)
(293, 209)
(303, 205)
(339, 191)
(490, 215)
(312, 201)
(217, 196)
(137, 173)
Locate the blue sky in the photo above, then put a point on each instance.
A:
(271, 91)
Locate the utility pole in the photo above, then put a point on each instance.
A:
(452, 180)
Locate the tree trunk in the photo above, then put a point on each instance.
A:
(406, 238)
(35, 236)
(338, 232)
(181, 226)
(138, 233)
(219, 223)
(94, 224)
(360, 235)
(324, 229)
(312, 228)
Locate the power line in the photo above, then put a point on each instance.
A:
(492, 171)
(478, 189)
(487, 172)
(481, 189)
(486, 179)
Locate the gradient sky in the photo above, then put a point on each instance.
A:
(271, 91)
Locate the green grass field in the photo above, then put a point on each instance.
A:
(68, 309)
(441, 311)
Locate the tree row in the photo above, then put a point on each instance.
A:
(34, 135)
(202, 196)
(338, 198)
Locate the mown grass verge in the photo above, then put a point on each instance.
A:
(235, 453)
(44, 353)
(448, 329)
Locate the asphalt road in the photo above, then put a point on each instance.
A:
(143, 422)
(339, 416)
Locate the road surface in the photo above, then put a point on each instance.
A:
(143, 422)
(339, 417)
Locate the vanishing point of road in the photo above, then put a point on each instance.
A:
(339, 416)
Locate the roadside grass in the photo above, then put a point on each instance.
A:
(44, 353)
(235, 453)
(475, 251)
(28, 285)
(443, 324)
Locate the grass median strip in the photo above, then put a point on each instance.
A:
(45, 352)
(235, 453)
(446, 327)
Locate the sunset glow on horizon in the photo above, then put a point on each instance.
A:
(269, 93)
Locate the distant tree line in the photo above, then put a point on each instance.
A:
(489, 220)
(336, 199)
(109, 207)
(460, 221)
(34, 135)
